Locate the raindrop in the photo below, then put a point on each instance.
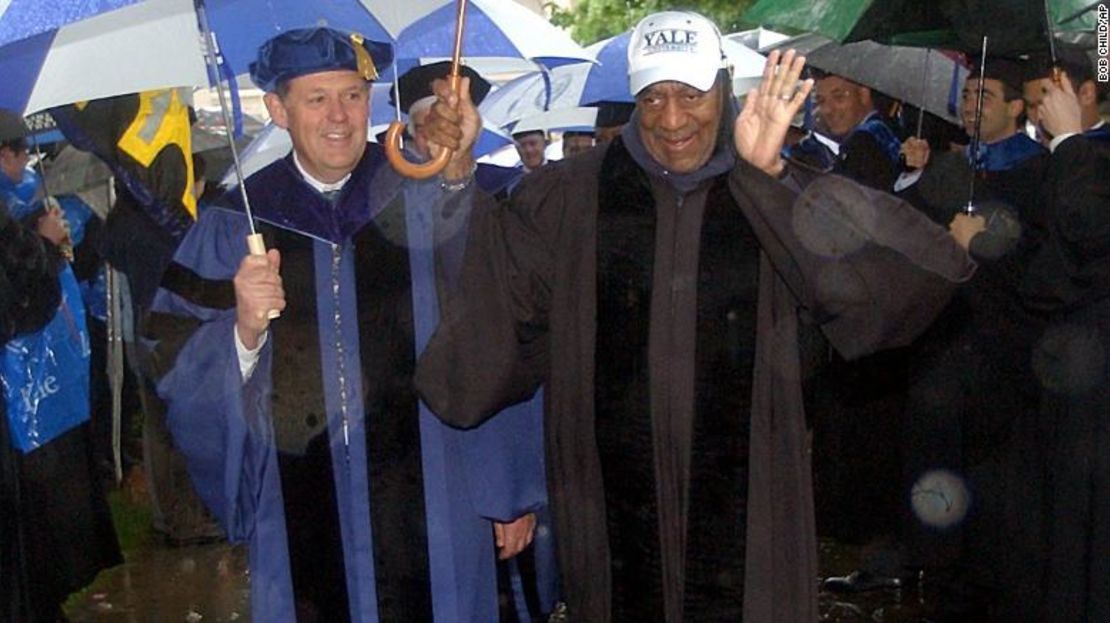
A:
(940, 498)
(1069, 359)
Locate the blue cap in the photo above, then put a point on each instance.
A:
(306, 51)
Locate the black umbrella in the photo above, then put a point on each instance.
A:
(1014, 27)
(921, 77)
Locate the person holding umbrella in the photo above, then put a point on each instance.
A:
(654, 287)
(973, 378)
(416, 99)
(56, 530)
(1062, 451)
(866, 146)
(1074, 63)
(302, 432)
(855, 407)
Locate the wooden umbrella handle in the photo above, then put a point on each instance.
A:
(393, 134)
(393, 144)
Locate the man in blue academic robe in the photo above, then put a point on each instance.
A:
(304, 434)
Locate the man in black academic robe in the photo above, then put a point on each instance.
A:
(654, 287)
(1059, 520)
(972, 378)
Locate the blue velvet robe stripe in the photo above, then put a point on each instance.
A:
(1007, 153)
(224, 429)
(883, 135)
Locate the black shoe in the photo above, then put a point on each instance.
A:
(862, 581)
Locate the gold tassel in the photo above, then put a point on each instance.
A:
(365, 64)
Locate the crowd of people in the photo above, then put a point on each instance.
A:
(634, 384)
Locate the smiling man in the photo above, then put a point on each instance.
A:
(851, 138)
(652, 285)
(303, 434)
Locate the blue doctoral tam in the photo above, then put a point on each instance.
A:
(306, 51)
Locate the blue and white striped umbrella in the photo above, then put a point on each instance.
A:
(494, 28)
(99, 49)
(141, 46)
(605, 80)
(273, 142)
(20, 19)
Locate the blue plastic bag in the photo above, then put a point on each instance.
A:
(46, 374)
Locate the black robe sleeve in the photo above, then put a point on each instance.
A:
(866, 162)
(1072, 267)
(869, 268)
(491, 348)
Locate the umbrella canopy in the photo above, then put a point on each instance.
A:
(152, 44)
(757, 38)
(143, 46)
(494, 28)
(564, 119)
(922, 77)
(273, 142)
(20, 19)
(582, 84)
(1014, 26)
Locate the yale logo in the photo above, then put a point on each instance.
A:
(670, 40)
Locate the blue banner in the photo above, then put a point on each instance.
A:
(46, 374)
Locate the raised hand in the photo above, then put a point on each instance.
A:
(453, 124)
(760, 129)
(1059, 110)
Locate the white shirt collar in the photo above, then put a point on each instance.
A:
(321, 187)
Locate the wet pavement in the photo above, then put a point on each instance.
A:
(157, 584)
(209, 583)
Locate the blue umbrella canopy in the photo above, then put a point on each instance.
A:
(21, 19)
(114, 47)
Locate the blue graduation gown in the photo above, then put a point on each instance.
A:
(363, 274)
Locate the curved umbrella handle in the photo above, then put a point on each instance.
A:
(393, 145)
(393, 134)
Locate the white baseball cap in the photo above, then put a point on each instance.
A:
(674, 45)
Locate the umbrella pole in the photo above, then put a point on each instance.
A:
(970, 207)
(40, 165)
(397, 101)
(1056, 73)
(115, 367)
(924, 93)
(254, 241)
